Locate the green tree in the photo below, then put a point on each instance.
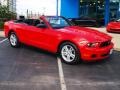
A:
(5, 13)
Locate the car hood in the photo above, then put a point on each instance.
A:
(114, 24)
(86, 33)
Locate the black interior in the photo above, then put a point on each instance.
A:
(33, 22)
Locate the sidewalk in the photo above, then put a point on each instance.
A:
(115, 40)
(2, 34)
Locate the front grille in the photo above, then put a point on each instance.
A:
(115, 29)
(105, 44)
(103, 55)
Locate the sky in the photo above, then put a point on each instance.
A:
(48, 7)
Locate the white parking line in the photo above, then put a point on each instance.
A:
(99, 83)
(3, 40)
(61, 75)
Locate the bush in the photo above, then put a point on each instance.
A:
(1, 25)
(5, 13)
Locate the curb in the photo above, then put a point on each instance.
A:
(117, 49)
(2, 34)
(1, 30)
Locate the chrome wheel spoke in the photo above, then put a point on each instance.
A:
(65, 53)
(71, 49)
(66, 48)
(13, 39)
(68, 57)
(72, 55)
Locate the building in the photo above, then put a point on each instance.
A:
(12, 5)
(3, 2)
(100, 9)
(105, 10)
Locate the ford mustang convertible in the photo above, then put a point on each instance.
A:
(57, 35)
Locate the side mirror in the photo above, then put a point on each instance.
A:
(41, 26)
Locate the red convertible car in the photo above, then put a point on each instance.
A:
(57, 35)
(114, 26)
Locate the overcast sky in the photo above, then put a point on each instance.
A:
(37, 6)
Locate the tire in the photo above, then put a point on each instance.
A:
(13, 39)
(69, 53)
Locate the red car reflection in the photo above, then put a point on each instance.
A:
(58, 35)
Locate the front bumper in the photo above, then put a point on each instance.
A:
(94, 54)
(113, 29)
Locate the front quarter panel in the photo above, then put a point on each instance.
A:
(64, 37)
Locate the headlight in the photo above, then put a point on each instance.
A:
(95, 44)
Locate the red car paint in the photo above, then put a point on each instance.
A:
(49, 39)
(113, 27)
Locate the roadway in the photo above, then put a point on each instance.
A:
(28, 68)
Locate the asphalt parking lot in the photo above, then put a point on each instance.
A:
(28, 68)
(2, 38)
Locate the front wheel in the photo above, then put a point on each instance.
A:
(13, 39)
(69, 53)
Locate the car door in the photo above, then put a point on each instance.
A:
(41, 37)
(20, 31)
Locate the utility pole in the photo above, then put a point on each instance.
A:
(27, 13)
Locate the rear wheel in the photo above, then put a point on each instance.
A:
(13, 39)
(69, 53)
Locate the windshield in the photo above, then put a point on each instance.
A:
(58, 22)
